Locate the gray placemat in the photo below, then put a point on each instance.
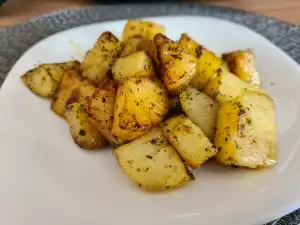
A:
(14, 41)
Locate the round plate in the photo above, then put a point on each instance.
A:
(46, 179)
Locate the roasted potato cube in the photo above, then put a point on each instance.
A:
(43, 79)
(226, 86)
(187, 43)
(56, 70)
(208, 65)
(201, 109)
(119, 130)
(40, 82)
(141, 103)
(177, 66)
(188, 139)
(84, 133)
(99, 60)
(137, 64)
(152, 47)
(146, 29)
(153, 164)
(153, 51)
(100, 109)
(66, 88)
(71, 88)
(246, 131)
(131, 45)
(241, 63)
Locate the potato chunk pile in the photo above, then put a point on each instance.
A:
(166, 106)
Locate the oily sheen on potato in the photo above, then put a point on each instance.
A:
(246, 131)
(241, 63)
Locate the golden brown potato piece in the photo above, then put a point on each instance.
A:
(84, 133)
(141, 103)
(246, 131)
(43, 80)
(137, 64)
(71, 88)
(131, 45)
(39, 82)
(226, 86)
(146, 29)
(99, 60)
(153, 164)
(153, 51)
(66, 88)
(187, 43)
(152, 47)
(56, 70)
(241, 63)
(201, 109)
(100, 109)
(208, 65)
(189, 141)
(177, 66)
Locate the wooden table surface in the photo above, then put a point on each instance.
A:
(15, 11)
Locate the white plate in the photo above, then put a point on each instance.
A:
(45, 179)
